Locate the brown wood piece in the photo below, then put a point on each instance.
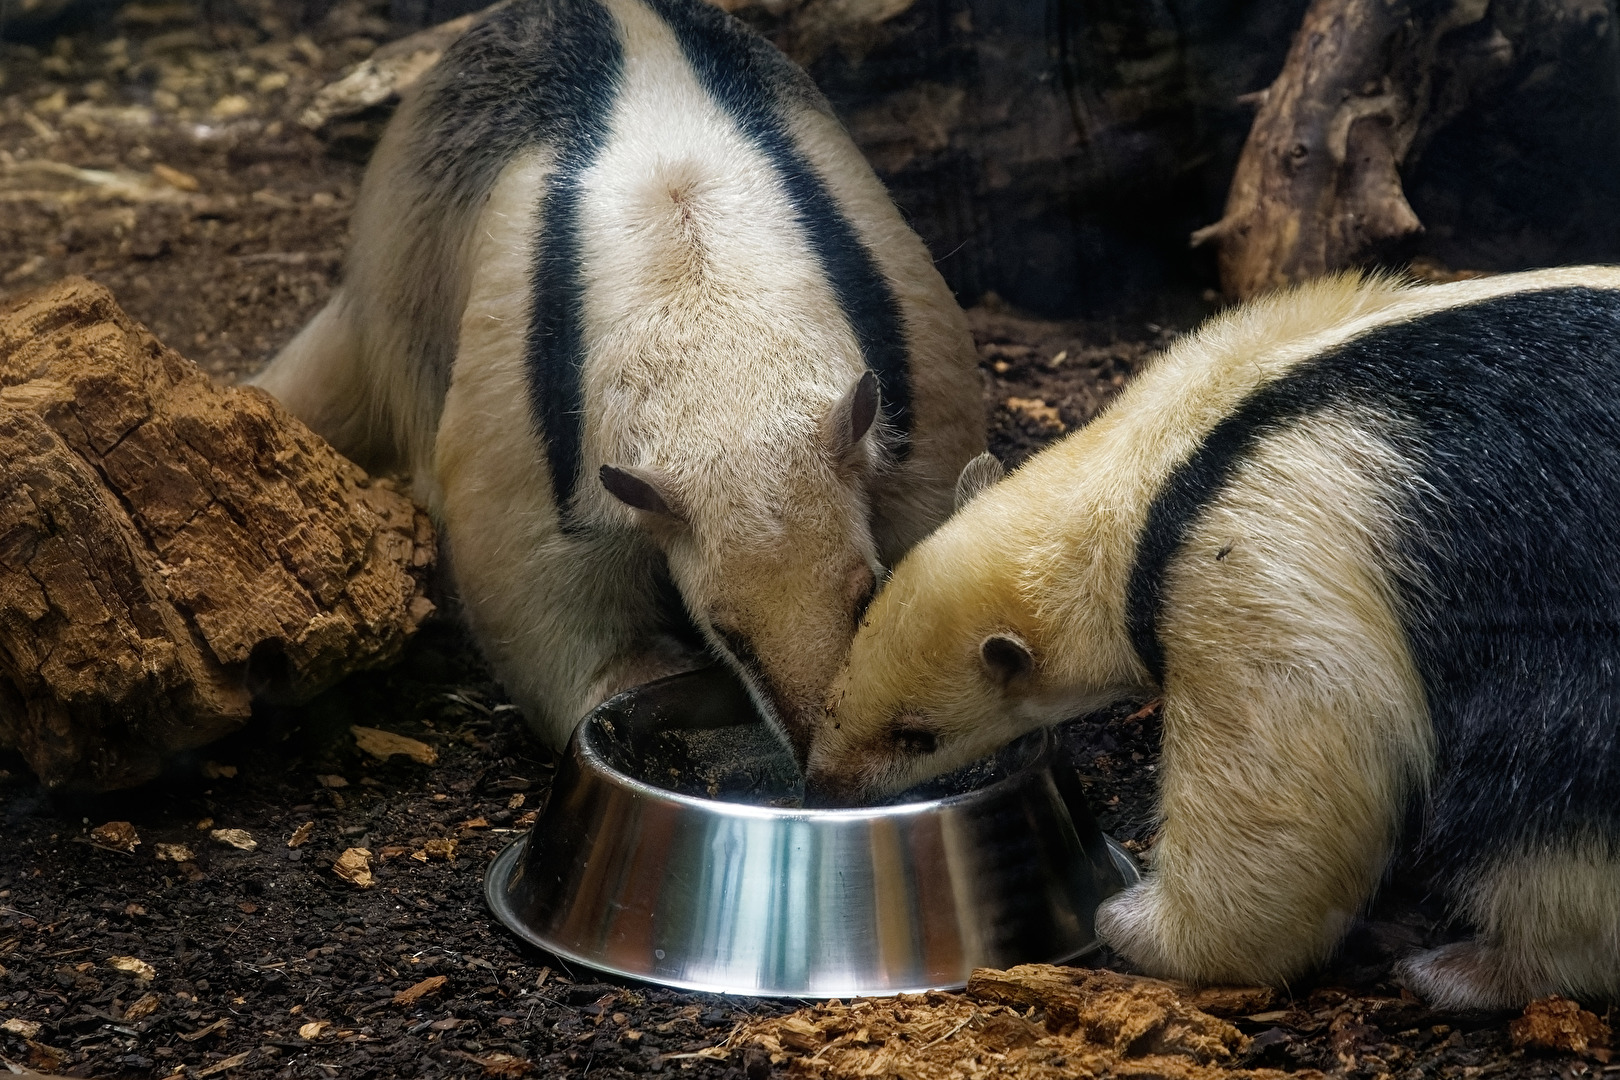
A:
(170, 548)
(1317, 187)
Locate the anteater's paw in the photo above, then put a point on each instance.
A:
(1133, 924)
(1465, 975)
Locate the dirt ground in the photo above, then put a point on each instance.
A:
(158, 152)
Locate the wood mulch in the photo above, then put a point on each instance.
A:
(238, 938)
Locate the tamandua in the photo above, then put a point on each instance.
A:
(1364, 539)
(656, 346)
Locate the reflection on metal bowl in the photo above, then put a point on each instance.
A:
(747, 893)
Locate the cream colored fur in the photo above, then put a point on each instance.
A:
(1280, 775)
(369, 372)
(1549, 922)
(715, 351)
(1294, 721)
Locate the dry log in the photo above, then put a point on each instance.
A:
(170, 548)
(1318, 187)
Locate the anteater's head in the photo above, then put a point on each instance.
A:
(953, 659)
(769, 542)
(936, 678)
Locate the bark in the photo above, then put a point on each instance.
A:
(1318, 180)
(170, 548)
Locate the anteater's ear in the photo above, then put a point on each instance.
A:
(641, 489)
(1007, 659)
(977, 475)
(852, 416)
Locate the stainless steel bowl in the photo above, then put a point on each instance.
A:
(744, 893)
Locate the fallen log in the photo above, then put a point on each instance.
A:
(170, 549)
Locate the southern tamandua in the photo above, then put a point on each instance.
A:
(1364, 538)
(656, 346)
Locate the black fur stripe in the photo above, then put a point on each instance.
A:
(752, 81)
(1509, 561)
(555, 350)
(545, 72)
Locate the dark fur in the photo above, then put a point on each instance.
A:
(1509, 568)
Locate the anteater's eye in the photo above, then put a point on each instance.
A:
(915, 741)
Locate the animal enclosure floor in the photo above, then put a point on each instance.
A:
(159, 153)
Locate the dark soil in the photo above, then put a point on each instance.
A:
(264, 961)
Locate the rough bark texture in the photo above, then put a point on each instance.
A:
(169, 548)
(1318, 183)
(1367, 88)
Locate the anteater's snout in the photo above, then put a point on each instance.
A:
(828, 790)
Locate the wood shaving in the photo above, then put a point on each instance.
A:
(383, 745)
(354, 866)
(1033, 1022)
(240, 839)
(117, 836)
(1558, 1024)
(143, 1007)
(412, 994)
(131, 965)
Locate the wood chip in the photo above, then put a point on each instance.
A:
(411, 995)
(1228, 1001)
(385, 744)
(313, 1029)
(173, 853)
(143, 1007)
(28, 1029)
(236, 838)
(499, 1064)
(354, 866)
(1558, 1024)
(213, 770)
(46, 1058)
(117, 836)
(175, 178)
(131, 965)
(440, 848)
(331, 781)
(301, 834)
(203, 1032)
(229, 1063)
(1044, 416)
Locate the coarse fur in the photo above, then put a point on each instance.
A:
(1360, 538)
(628, 239)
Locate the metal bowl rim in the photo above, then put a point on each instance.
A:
(723, 808)
(501, 867)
